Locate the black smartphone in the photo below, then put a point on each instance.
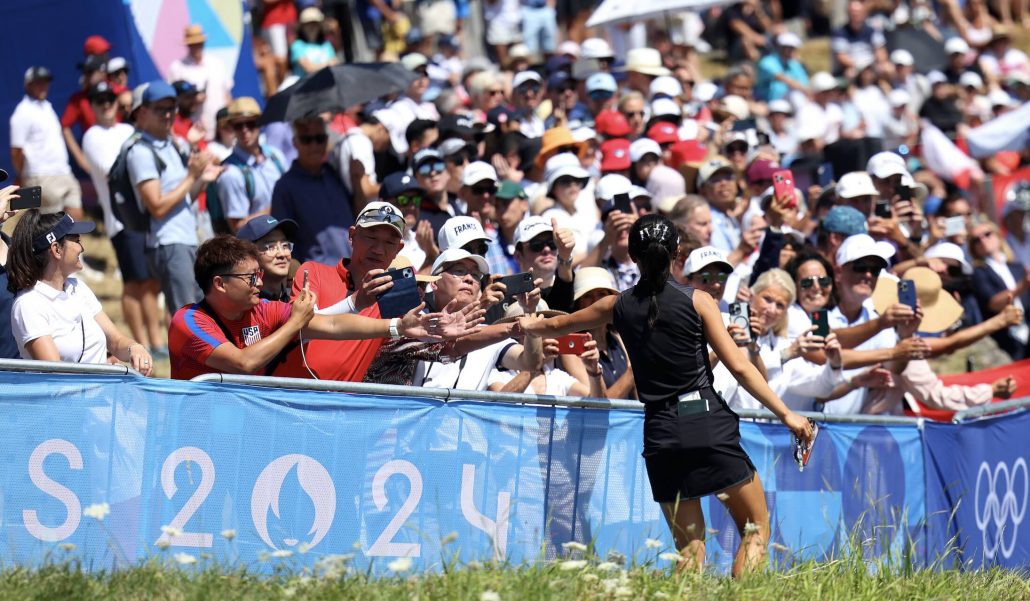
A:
(907, 293)
(744, 124)
(882, 209)
(28, 198)
(821, 321)
(622, 203)
(402, 297)
(305, 279)
(903, 192)
(740, 314)
(517, 284)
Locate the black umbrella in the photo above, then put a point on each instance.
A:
(337, 88)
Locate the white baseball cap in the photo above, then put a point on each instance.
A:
(592, 278)
(705, 91)
(530, 228)
(526, 76)
(610, 185)
(855, 184)
(380, 213)
(885, 164)
(902, 57)
(949, 250)
(665, 107)
(971, 79)
(936, 77)
(702, 257)
(595, 48)
(1001, 98)
(956, 45)
(453, 255)
(823, 82)
(780, 106)
(860, 246)
(667, 85)
(602, 81)
(899, 98)
(643, 146)
(476, 172)
(459, 231)
(569, 47)
(788, 40)
(563, 164)
(710, 167)
(736, 106)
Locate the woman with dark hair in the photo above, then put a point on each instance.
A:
(55, 316)
(813, 279)
(691, 439)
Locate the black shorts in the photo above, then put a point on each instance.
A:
(130, 249)
(696, 454)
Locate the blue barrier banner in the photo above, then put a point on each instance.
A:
(978, 489)
(315, 473)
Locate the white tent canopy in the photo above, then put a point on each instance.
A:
(615, 12)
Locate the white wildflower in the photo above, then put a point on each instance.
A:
(67, 546)
(623, 591)
(228, 534)
(588, 577)
(780, 548)
(400, 565)
(722, 497)
(184, 559)
(653, 543)
(670, 556)
(171, 531)
(573, 546)
(97, 511)
(660, 595)
(608, 566)
(163, 543)
(450, 538)
(489, 596)
(281, 553)
(572, 564)
(750, 528)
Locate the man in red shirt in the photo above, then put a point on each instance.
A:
(234, 331)
(376, 237)
(78, 111)
(187, 100)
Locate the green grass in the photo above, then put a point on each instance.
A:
(844, 579)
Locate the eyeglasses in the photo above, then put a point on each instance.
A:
(539, 245)
(315, 139)
(484, 190)
(459, 270)
(246, 125)
(476, 247)
(822, 281)
(251, 279)
(431, 168)
(708, 277)
(863, 267)
(407, 199)
(270, 248)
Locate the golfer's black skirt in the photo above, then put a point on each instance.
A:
(695, 454)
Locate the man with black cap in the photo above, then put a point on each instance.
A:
(273, 239)
(431, 173)
(38, 152)
(78, 110)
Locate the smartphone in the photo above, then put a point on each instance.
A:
(824, 175)
(740, 314)
(903, 192)
(744, 124)
(28, 198)
(783, 187)
(402, 297)
(907, 293)
(572, 344)
(305, 279)
(821, 321)
(882, 209)
(517, 284)
(622, 203)
(954, 226)
(802, 451)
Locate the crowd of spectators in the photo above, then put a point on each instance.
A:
(805, 195)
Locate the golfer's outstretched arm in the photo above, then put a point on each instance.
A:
(594, 316)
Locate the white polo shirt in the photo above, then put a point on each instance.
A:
(68, 317)
(101, 146)
(853, 401)
(36, 129)
(471, 372)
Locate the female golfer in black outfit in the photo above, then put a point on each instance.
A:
(691, 439)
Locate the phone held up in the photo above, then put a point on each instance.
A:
(572, 344)
(907, 293)
(518, 283)
(783, 187)
(402, 297)
(28, 198)
(740, 314)
(882, 209)
(821, 321)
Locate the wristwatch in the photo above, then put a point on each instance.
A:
(394, 331)
(564, 262)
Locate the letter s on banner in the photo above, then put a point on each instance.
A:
(58, 491)
(996, 510)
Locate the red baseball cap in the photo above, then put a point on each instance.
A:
(96, 44)
(615, 155)
(685, 152)
(612, 124)
(761, 171)
(663, 132)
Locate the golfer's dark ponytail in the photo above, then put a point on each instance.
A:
(652, 244)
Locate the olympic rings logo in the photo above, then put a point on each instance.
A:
(994, 513)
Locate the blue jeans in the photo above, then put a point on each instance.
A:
(540, 29)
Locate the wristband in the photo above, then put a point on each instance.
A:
(394, 332)
(564, 262)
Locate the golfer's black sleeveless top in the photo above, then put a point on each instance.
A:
(670, 358)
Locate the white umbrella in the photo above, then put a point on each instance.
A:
(614, 12)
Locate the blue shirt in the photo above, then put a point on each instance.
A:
(178, 226)
(321, 206)
(318, 54)
(232, 185)
(497, 257)
(725, 231)
(767, 87)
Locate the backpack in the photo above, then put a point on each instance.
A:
(125, 204)
(215, 209)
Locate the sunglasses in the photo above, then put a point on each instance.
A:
(407, 199)
(811, 281)
(600, 95)
(568, 181)
(383, 216)
(315, 139)
(533, 89)
(251, 279)
(104, 101)
(737, 149)
(707, 277)
(476, 247)
(863, 267)
(567, 148)
(539, 245)
(431, 168)
(484, 190)
(246, 125)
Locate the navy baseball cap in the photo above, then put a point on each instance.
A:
(156, 90)
(558, 79)
(398, 183)
(844, 220)
(101, 89)
(424, 156)
(259, 227)
(65, 227)
(183, 87)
